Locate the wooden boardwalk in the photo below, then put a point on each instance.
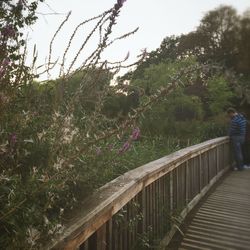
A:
(223, 219)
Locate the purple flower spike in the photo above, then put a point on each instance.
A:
(125, 147)
(121, 2)
(5, 62)
(2, 71)
(3, 66)
(13, 139)
(135, 134)
(8, 31)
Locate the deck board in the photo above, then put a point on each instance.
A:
(223, 219)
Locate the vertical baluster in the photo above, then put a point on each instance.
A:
(148, 207)
(125, 229)
(92, 242)
(171, 189)
(153, 207)
(101, 238)
(156, 208)
(114, 235)
(129, 216)
(84, 246)
(168, 201)
(142, 209)
(161, 206)
(109, 234)
(187, 182)
(217, 160)
(200, 172)
(177, 187)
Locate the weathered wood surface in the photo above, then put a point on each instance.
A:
(140, 184)
(223, 220)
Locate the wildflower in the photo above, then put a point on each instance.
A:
(121, 2)
(2, 71)
(13, 139)
(135, 134)
(20, 3)
(8, 31)
(5, 62)
(125, 147)
(3, 66)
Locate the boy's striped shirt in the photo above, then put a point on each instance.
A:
(238, 126)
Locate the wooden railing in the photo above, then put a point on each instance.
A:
(143, 208)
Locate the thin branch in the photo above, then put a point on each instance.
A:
(74, 33)
(86, 41)
(52, 40)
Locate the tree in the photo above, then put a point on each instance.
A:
(13, 19)
(219, 94)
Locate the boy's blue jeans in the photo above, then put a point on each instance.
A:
(237, 143)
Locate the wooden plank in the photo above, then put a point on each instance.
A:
(166, 240)
(223, 220)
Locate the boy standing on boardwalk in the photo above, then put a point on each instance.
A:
(237, 134)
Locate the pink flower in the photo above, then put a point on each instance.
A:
(13, 139)
(5, 62)
(3, 66)
(8, 31)
(20, 3)
(135, 134)
(2, 71)
(121, 2)
(125, 147)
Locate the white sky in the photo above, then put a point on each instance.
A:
(156, 19)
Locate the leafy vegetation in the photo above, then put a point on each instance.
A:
(63, 138)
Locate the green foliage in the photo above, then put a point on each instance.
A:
(62, 139)
(160, 75)
(177, 116)
(13, 18)
(216, 126)
(219, 94)
(49, 134)
(222, 37)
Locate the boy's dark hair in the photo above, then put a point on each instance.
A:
(231, 110)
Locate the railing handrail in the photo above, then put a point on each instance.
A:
(110, 198)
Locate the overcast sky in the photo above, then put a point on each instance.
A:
(156, 19)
